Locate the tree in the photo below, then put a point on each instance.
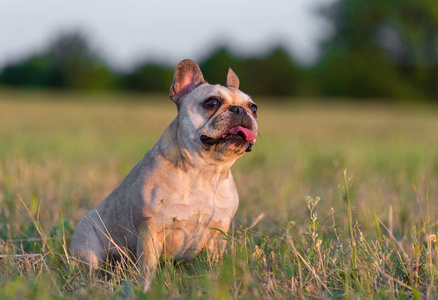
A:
(32, 72)
(381, 48)
(274, 74)
(75, 65)
(149, 78)
(215, 67)
(68, 62)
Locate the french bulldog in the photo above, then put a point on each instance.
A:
(181, 196)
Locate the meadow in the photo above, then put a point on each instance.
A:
(338, 199)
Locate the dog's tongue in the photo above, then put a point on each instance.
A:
(247, 134)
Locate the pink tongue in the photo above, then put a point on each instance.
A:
(248, 134)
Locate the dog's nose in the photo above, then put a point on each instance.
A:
(237, 109)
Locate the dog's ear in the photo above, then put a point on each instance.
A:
(187, 77)
(232, 79)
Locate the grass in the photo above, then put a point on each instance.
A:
(304, 228)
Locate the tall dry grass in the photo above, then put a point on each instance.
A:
(61, 154)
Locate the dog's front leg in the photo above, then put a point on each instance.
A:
(216, 246)
(149, 247)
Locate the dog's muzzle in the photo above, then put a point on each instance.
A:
(238, 134)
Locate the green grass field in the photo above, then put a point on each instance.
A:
(61, 154)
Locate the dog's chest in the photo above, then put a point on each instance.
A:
(195, 209)
(187, 226)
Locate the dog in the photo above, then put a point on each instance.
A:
(181, 196)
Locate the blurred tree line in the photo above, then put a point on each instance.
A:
(376, 48)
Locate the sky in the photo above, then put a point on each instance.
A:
(167, 31)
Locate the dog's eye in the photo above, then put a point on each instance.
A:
(212, 103)
(253, 108)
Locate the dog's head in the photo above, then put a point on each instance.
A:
(218, 120)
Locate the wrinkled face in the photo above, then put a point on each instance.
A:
(220, 120)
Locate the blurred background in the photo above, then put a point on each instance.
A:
(358, 49)
(339, 83)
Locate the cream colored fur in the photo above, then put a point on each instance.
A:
(182, 188)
